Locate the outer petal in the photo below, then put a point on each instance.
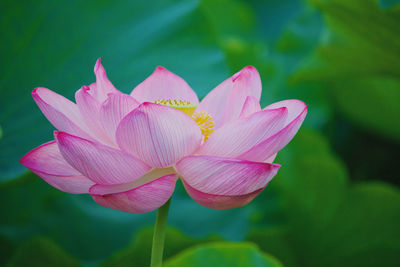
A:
(271, 158)
(297, 112)
(100, 163)
(61, 112)
(92, 87)
(237, 137)
(145, 198)
(47, 162)
(89, 108)
(295, 108)
(220, 201)
(100, 189)
(74, 184)
(164, 85)
(103, 85)
(251, 105)
(225, 102)
(159, 135)
(113, 110)
(225, 176)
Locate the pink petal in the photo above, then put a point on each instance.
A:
(47, 162)
(164, 85)
(220, 201)
(100, 163)
(271, 158)
(61, 112)
(225, 176)
(158, 134)
(100, 189)
(251, 105)
(145, 198)
(264, 150)
(92, 87)
(47, 158)
(74, 184)
(89, 108)
(237, 137)
(225, 102)
(114, 109)
(103, 85)
(295, 108)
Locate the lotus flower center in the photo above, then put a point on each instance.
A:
(203, 119)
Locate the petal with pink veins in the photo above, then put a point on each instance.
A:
(114, 109)
(271, 158)
(100, 163)
(89, 108)
(62, 113)
(297, 112)
(47, 162)
(219, 202)
(225, 102)
(295, 108)
(103, 85)
(157, 134)
(237, 137)
(164, 85)
(92, 87)
(251, 105)
(225, 176)
(145, 198)
(101, 189)
(74, 184)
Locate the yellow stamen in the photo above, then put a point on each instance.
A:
(203, 119)
(205, 122)
(181, 105)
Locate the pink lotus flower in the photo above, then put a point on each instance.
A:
(128, 151)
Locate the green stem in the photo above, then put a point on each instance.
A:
(159, 235)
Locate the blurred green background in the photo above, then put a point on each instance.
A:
(335, 201)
